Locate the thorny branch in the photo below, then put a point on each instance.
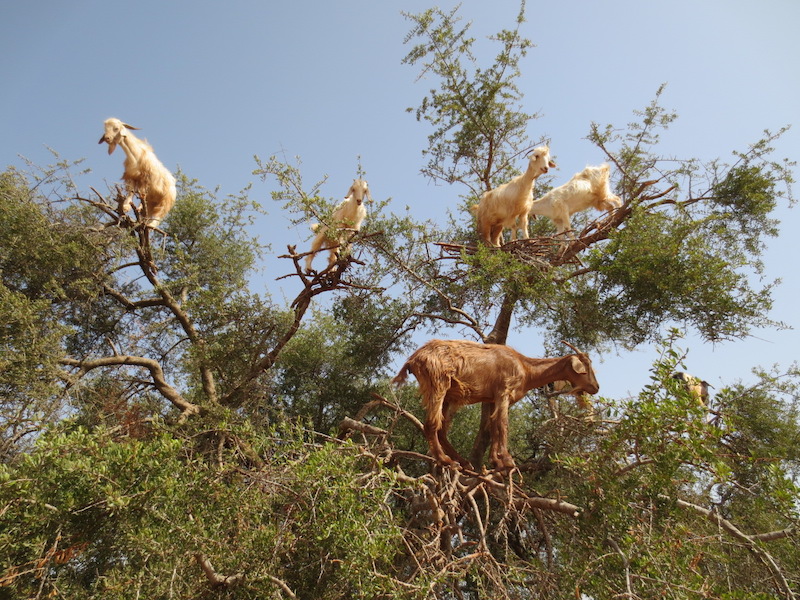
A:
(464, 319)
(141, 232)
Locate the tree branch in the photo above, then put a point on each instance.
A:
(327, 280)
(132, 304)
(156, 372)
(748, 540)
(215, 578)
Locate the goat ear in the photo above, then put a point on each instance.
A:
(577, 365)
(130, 126)
(111, 147)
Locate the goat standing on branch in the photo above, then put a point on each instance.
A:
(347, 217)
(144, 174)
(455, 373)
(503, 206)
(696, 387)
(589, 188)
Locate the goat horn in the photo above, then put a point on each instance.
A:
(571, 346)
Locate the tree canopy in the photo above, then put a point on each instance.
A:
(165, 431)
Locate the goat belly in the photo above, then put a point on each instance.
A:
(459, 392)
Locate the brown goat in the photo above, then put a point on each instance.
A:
(454, 373)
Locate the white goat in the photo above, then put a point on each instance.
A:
(347, 217)
(144, 174)
(501, 207)
(589, 188)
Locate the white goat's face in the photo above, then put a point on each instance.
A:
(113, 132)
(540, 160)
(359, 190)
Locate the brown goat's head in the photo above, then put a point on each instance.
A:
(582, 375)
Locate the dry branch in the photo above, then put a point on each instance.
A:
(510, 494)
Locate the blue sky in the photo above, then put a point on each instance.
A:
(211, 84)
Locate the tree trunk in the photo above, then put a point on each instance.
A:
(499, 335)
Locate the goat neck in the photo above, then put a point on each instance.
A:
(133, 147)
(543, 371)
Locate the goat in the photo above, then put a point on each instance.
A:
(455, 373)
(144, 175)
(695, 386)
(589, 188)
(347, 217)
(503, 206)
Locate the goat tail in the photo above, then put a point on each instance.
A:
(400, 378)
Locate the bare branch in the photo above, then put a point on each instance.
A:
(747, 540)
(156, 372)
(215, 578)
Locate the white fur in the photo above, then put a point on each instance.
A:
(503, 206)
(347, 217)
(589, 188)
(144, 174)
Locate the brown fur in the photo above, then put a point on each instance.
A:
(454, 373)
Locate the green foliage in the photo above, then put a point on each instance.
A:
(660, 449)
(663, 268)
(474, 108)
(92, 515)
(154, 410)
(744, 200)
(209, 249)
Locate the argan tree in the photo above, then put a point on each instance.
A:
(166, 431)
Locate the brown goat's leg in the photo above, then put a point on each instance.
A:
(445, 444)
(499, 454)
(432, 436)
(483, 437)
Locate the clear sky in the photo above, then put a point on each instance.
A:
(211, 84)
